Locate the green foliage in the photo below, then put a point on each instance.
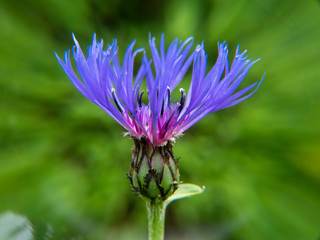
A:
(63, 160)
(184, 190)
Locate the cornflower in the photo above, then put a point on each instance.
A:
(155, 124)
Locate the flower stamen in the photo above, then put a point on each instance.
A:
(116, 101)
(182, 100)
(139, 99)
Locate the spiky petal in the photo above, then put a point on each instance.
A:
(114, 88)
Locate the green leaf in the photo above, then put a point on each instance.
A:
(184, 190)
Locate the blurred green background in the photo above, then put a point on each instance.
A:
(63, 160)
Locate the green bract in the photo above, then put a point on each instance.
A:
(154, 171)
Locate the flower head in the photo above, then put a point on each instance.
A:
(115, 89)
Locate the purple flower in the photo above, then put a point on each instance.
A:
(115, 89)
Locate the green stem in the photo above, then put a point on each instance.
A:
(156, 218)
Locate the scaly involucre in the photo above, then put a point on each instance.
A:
(115, 89)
